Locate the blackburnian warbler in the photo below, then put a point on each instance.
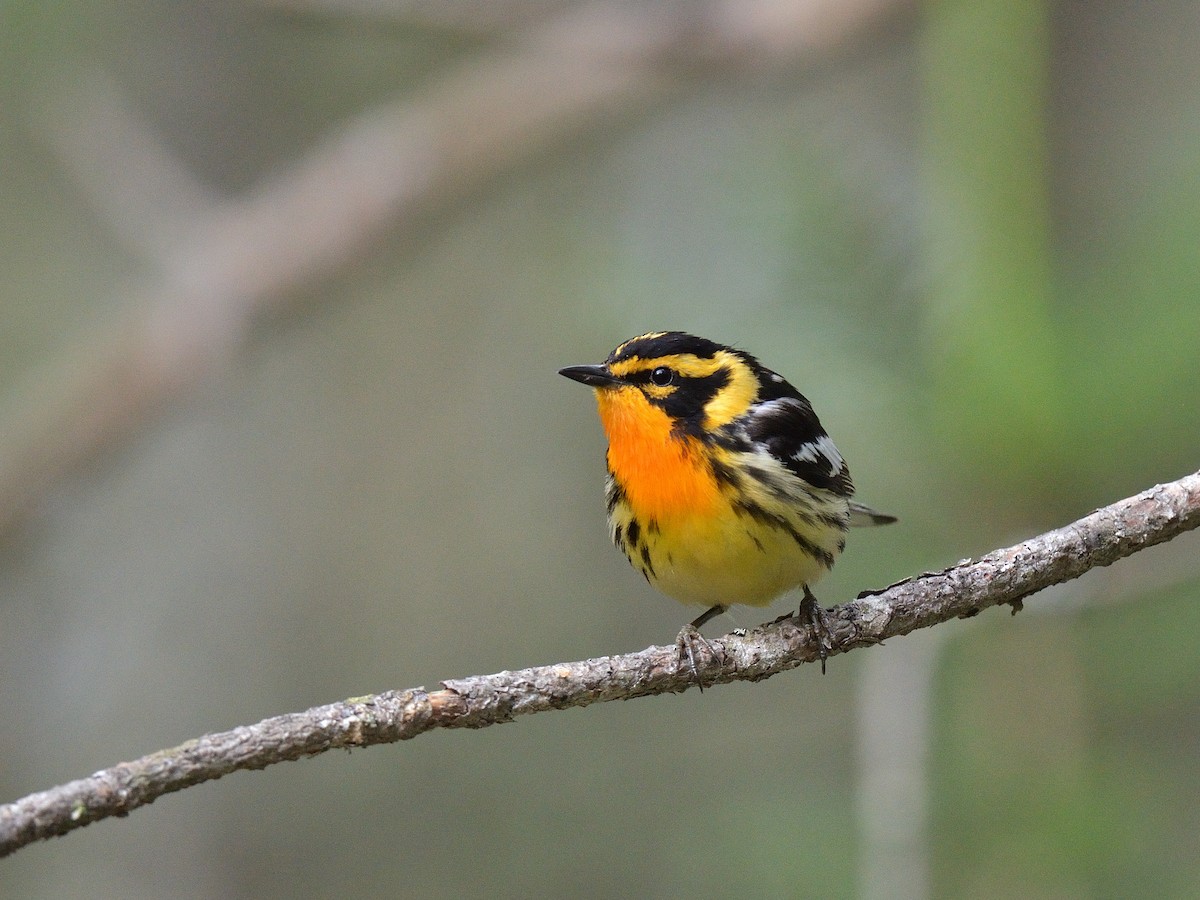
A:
(722, 487)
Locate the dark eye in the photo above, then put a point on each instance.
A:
(662, 376)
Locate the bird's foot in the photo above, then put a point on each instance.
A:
(689, 638)
(687, 642)
(811, 614)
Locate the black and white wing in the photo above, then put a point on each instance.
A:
(790, 431)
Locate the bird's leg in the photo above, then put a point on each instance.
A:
(811, 613)
(689, 636)
(708, 615)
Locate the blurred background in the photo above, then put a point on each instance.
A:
(285, 287)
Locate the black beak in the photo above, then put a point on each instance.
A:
(592, 376)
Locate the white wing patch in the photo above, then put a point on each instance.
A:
(774, 409)
(822, 450)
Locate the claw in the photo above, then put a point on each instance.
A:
(685, 648)
(813, 615)
(689, 636)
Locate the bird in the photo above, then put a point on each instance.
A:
(723, 488)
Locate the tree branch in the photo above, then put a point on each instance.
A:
(964, 589)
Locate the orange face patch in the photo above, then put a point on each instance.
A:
(664, 475)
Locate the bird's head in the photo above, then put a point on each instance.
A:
(672, 380)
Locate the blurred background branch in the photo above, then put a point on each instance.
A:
(220, 265)
(480, 17)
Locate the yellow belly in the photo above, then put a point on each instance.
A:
(726, 558)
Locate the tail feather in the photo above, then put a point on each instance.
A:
(863, 516)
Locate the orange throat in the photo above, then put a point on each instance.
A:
(664, 475)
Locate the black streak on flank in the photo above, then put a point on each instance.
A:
(725, 474)
(633, 534)
(834, 521)
(615, 495)
(646, 560)
(619, 537)
(756, 512)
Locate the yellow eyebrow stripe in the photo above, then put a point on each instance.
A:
(686, 364)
